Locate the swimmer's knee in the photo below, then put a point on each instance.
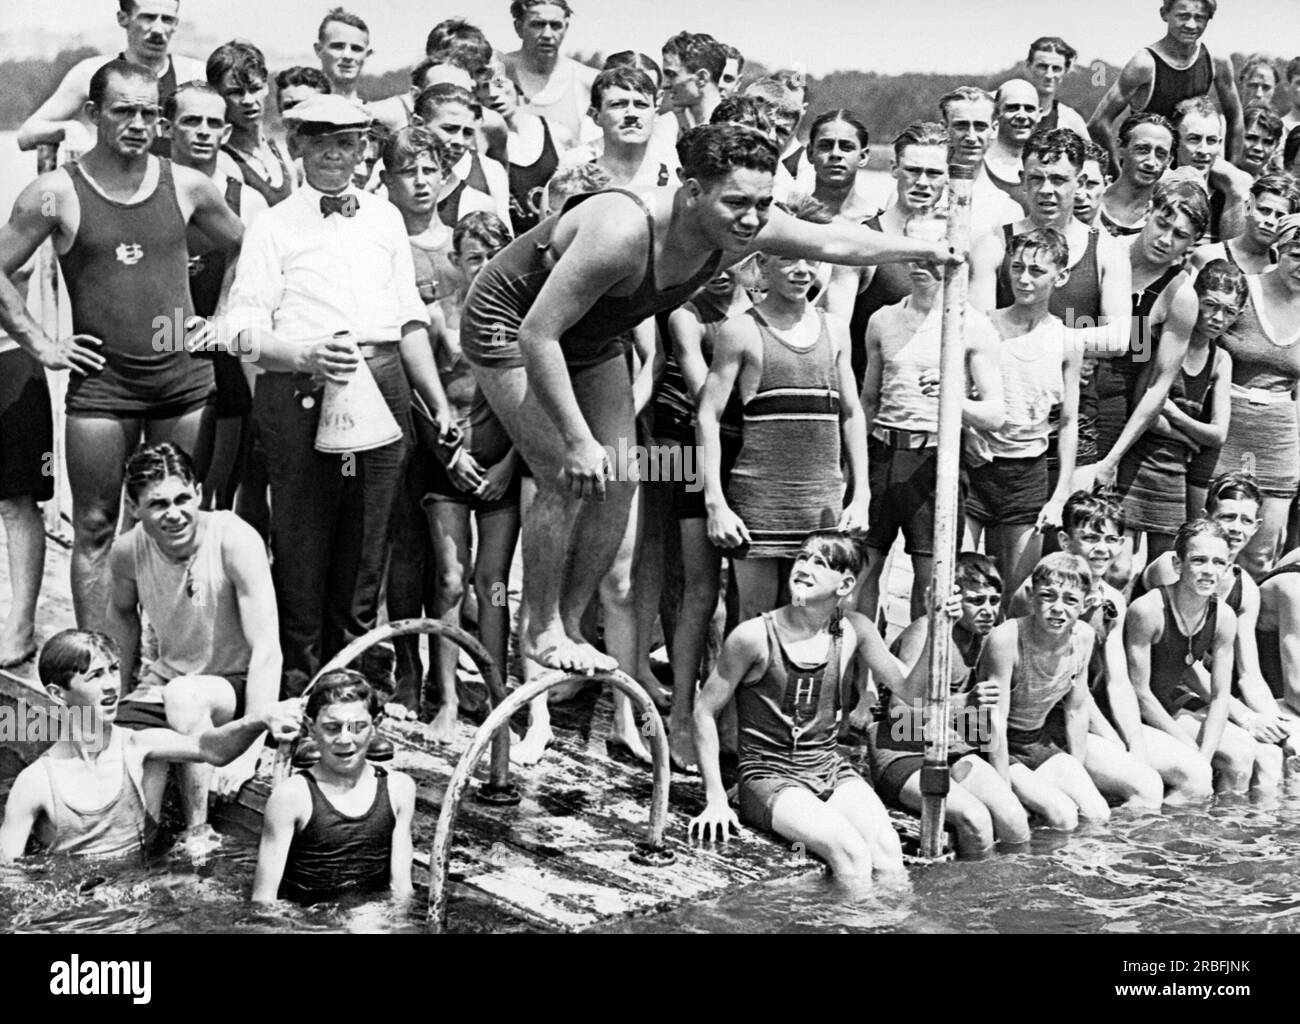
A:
(973, 824)
(450, 581)
(1192, 779)
(1061, 813)
(1268, 766)
(849, 856)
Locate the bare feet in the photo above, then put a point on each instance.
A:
(443, 727)
(556, 650)
(530, 749)
(624, 731)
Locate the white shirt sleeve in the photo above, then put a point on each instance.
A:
(259, 280)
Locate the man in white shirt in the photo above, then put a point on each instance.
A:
(329, 258)
(556, 88)
(149, 26)
(969, 114)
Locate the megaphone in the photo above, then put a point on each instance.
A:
(354, 416)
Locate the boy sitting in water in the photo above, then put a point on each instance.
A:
(98, 791)
(1175, 630)
(786, 670)
(1035, 662)
(343, 825)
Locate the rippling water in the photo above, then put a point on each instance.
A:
(1233, 868)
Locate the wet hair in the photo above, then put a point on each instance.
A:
(1211, 7)
(153, 463)
(484, 227)
(1135, 121)
(300, 74)
(1099, 155)
(403, 146)
(638, 60)
(745, 110)
(1086, 509)
(1063, 569)
(240, 58)
(344, 18)
(68, 653)
(841, 551)
(974, 569)
(710, 152)
(575, 180)
(444, 94)
(698, 51)
(1280, 184)
(1198, 105)
(1222, 276)
(773, 91)
(841, 115)
(1186, 197)
(518, 8)
(1194, 528)
(1264, 117)
(1233, 487)
(342, 686)
(806, 208)
(122, 69)
(1047, 241)
(453, 30)
(920, 133)
(1253, 63)
(1053, 44)
(964, 94)
(172, 100)
(1053, 143)
(1291, 148)
(625, 77)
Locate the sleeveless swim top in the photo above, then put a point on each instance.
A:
(1173, 85)
(1079, 297)
(1035, 690)
(890, 284)
(528, 184)
(1269, 640)
(1258, 360)
(506, 288)
(1174, 653)
(255, 181)
(337, 853)
(120, 828)
(208, 269)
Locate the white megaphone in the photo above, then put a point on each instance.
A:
(354, 416)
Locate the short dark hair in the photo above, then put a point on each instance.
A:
(172, 100)
(1086, 509)
(1233, 487)
(1045, 240)
(1194, 528)
(977, 570)
(1291, 147)
(806, 208)
(1222, 276)
(636, 59)
(1062, 568)
(698, 51)
(749, 111)
(343, 17)
(301, 74)
(965, 94)
(1293, 68)
(240, 58)
(123, 69)
(342, 686)
(1053, 143)
(1265, 117)
(709, 152)
(453, 30)
(1053, 44)
(444, 94)
(518, 8)
(1135, 121)
(1186, 197)
(841, 115)
(1280, 184)
(486, 227)
(153, 463)
(920, 133)
(841, 551)
(626, 77)
(405, 145)
(469, 56)
(68, 653)
(1211, 7)
(1098, 154)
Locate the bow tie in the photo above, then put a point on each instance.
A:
(345, 205)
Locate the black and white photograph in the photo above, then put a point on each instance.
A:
(530, 467)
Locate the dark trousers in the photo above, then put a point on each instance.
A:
(330, 517)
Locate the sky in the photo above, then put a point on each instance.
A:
(867, 35)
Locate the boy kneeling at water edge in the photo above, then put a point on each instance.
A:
(98, 791)
(343, 825)
(786, 670)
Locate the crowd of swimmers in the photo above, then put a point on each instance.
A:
(543, 266)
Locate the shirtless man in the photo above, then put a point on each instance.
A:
(1147, 143)
(1177, 67)
(1017, 117)
(343, 47)
(1200, 158)
(970, 115)
(120, 774)
(693, 66)
(543, 328)
(555, 87)
(1050, 60)
(119, 220)
(149, 25)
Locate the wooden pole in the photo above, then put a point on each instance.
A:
(47, 275)
(947, 530)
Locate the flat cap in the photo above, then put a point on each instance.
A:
(327, 112)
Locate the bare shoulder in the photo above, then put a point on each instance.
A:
(30, 788)
(401, 787)
(749, 639)
(194, 182)
(289, 799)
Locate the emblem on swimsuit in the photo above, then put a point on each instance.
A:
(129, 253)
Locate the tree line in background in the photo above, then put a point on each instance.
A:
(886, 103)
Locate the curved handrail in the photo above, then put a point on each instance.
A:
(651, 852)
(500, 774)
